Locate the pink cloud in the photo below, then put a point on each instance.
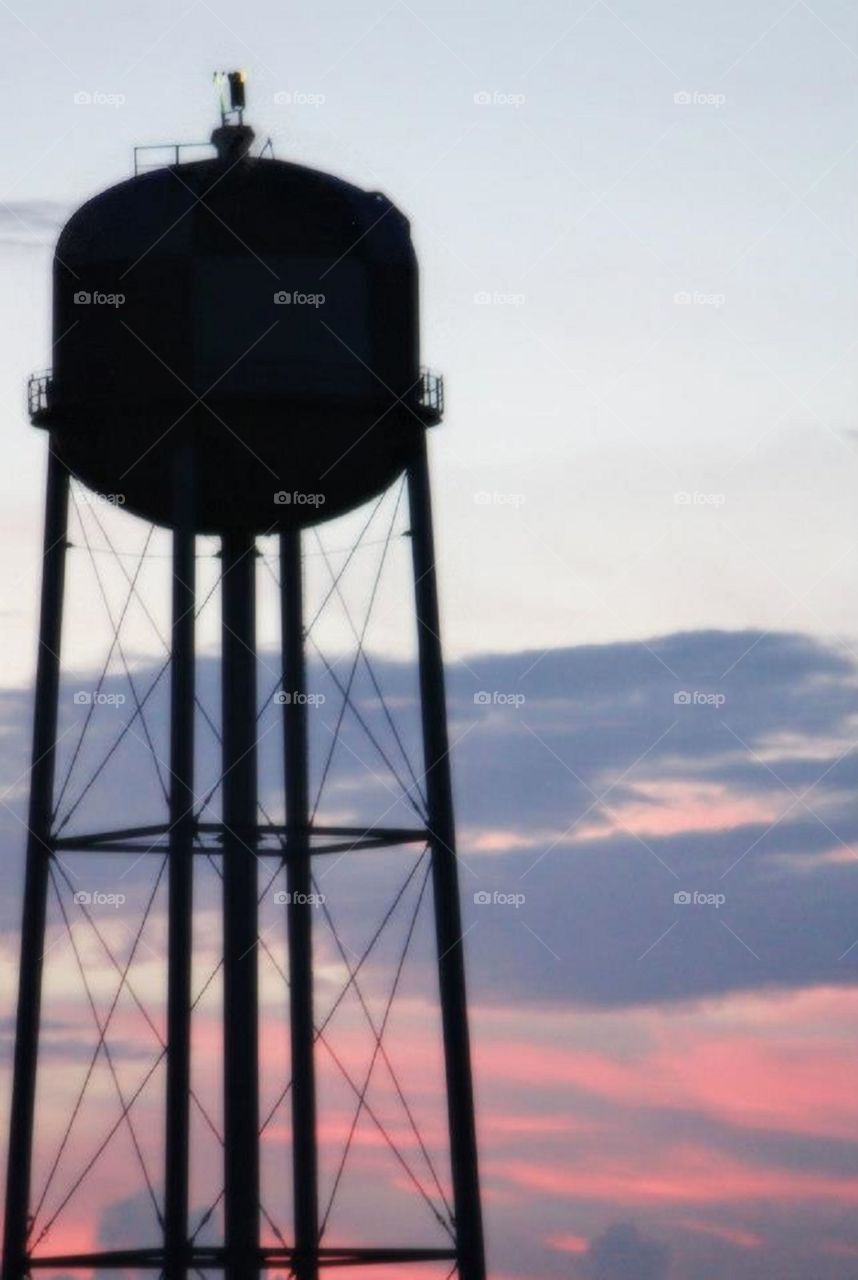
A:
(734, 1235)
(569, 1244)
(721, 1070)
(679, 1175)
(668, 808)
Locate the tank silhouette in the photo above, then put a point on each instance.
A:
(264, 312)
(236, 353)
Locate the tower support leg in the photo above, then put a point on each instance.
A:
(181, 858)
(240, 913)
(299, 913)
(36, 884)
(445, 881)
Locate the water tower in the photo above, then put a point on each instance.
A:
(197, 374)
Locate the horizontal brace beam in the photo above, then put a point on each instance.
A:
(109, 1258)
(91, 839)
(213, 1256)
(261, 851)
(362, 1256)
(392, 835)
(74, 845)
(357, 846)
(133, 840)
(402, 835)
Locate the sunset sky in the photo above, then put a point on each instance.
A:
(636, 229)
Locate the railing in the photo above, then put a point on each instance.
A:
(430, 393)
(39, 388)
(171, 153)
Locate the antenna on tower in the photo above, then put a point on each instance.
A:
(233, 138)
(231, 92)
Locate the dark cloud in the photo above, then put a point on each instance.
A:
(598, 926)
(599, 736)
(623, 1253)
(129, 1223)
(128, 1220)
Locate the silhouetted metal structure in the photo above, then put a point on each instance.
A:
(217, 384)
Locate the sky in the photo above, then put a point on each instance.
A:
(635, 225)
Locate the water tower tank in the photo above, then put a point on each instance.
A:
(236, 353)
(261, 311)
